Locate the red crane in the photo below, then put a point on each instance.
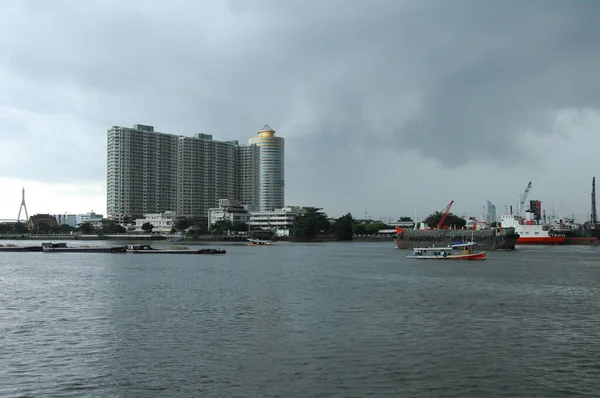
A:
(445, 215)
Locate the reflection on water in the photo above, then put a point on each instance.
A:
(300, 320)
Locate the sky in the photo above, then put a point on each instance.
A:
(385, 106)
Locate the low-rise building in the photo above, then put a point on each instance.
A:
(162, 223)
(38, 219)
(90, 217)
(229, 209)
(280, 221)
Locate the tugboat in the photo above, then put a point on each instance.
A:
(455, 251)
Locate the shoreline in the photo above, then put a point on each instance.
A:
(206, 238)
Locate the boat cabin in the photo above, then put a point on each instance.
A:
(139, 247)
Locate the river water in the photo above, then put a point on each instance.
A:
(300, 320)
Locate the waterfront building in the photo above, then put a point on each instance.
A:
(271, 169)
(141, 172)
(149, 172)
(247, 175)
(205, 173)
(280, 221)
(89, 217)
(229, 209)
(162, 223)
(38, 219)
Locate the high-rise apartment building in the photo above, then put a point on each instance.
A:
(271, 169)
(141, 172)
(152, 172)
(205, 174)
(247, 175)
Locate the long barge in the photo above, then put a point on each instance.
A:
(135, 249)
(13, 248)
(63, 248)
(147, 249)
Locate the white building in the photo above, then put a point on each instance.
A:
(161, 222)
(229, 209)
(68, 219)
(280, 221)
(90, 217)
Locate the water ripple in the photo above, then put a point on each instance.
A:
(331, 320)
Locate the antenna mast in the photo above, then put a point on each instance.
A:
(593, 217)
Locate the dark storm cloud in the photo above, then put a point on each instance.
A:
(456, 81)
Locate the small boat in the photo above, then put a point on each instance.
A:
(63, 248)
(455, 251)
(147, 249)
(259, 242)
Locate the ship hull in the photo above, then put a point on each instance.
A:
(544, 240)
(488, 239)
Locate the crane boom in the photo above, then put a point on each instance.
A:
(445, 215)
(524, 198)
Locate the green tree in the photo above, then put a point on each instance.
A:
(112, 228)
(359, 228)
(343, 227)
(375, 226)
(41, 228)
(221, 227)
(239, 227)
(434, 218)
(86, 228)
(183, 223)
(310, 224)
(21, 228)
(5, 228)
(147, 227)
(66, 228)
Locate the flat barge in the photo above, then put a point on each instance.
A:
(13, 248)
(63, 248)
(147, 249)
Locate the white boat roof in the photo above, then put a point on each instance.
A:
(434, 248)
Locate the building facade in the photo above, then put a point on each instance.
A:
(141, 172)
(247, 175)
(280, 221)
(149, 172)
(90, 217)
(205, 173)
(271, 169)
(162, 223)
(229, 209)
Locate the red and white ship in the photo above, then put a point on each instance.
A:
(531, 233)
(529, 228)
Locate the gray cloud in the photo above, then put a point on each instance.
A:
(458, 82)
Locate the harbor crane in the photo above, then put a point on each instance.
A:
(524, 198)
(445, 215)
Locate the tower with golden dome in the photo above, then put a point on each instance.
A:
(271, 169)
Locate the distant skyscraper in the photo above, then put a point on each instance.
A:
(272, 169)
(491, 212)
